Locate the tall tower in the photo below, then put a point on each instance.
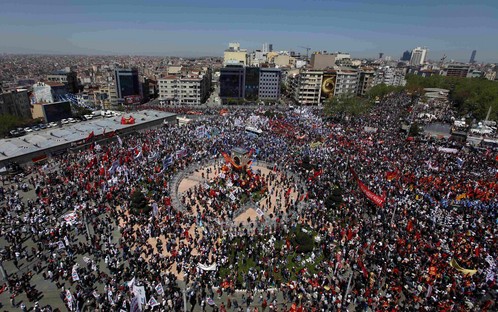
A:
(418, 56)
(267, 47)
(473, 57)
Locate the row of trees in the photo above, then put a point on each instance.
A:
(352, 105)
(472, 96)
(469, 95)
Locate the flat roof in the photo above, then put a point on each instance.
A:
(52, 137)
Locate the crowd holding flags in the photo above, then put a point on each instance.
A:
(378, 200)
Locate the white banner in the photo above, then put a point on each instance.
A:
(204, 267)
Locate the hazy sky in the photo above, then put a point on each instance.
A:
(203, 27)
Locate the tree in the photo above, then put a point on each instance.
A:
(303, 241)
(346, 104)
(9, 122)
(382, 90)
(468, 95)
(138, 204)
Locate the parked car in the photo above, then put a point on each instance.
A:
(35, 128)
(42, 126)
(72, 120)
(88, 117)
(64, 121)
(53, 124)
(28, 129)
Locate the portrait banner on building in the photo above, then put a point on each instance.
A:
(328, 85)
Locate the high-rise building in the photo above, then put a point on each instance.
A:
(473, 57)
(127, 83)
(15, 103)
(232, 84)
(267, 47)
(418, 56)
(381, 55)
(269, 83)
(407, 55)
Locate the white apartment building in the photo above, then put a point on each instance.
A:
(184, 90)
(418, 56)
(346, 81)
(307, 87)
(390, 76)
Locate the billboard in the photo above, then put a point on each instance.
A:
(56, 111)
(132, 99)
(328, 85)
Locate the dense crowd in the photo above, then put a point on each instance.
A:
(414, 250)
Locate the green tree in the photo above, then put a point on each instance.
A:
(468, 95)
(382, 90)
(9, 122)
(346, 104)
(138, 203)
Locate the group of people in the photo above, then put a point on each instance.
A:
(414, 227)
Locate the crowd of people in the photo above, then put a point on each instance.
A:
(415, 228)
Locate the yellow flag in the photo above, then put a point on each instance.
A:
(455, 265)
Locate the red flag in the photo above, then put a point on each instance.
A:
(167, 201)
(391, 175)
(363, 269)
(378, 200)
(409, 226)
(350, 234)
(90, 136)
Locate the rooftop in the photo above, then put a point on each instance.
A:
(69, 133)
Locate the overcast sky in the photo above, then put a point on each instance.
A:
(202, 27)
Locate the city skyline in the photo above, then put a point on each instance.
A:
(195, 28)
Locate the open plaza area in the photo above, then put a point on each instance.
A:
(300, 213)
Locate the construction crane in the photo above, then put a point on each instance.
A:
(307, 52)
(443, 59)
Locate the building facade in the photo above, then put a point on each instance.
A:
(457, 70)
(269, 83)
(127, 83)
(473, 57)
(232, 83)
(42, 93)
(251, 82)
(191, 89)
(322, 61)
(346, 81)
(366, 81)
(307, 91)
(418, 56)
(234, 55)
(390, 76)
